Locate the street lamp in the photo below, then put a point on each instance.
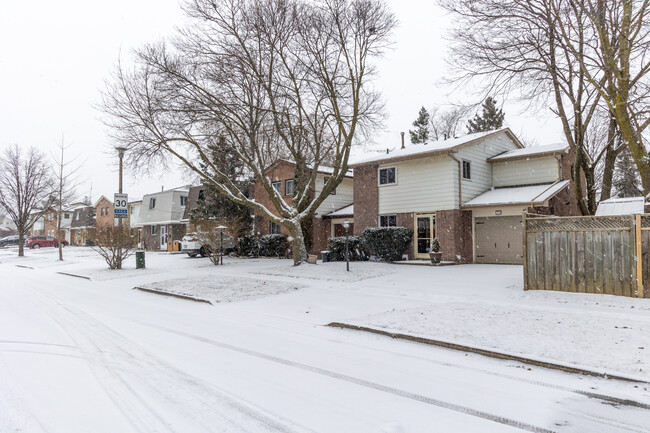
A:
(346, 226)
(221, 228)
(120, 153)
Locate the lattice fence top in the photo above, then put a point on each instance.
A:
(645, 221)
(577, 224)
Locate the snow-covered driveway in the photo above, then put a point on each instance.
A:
(93, 355)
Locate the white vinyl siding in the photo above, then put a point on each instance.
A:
(343, 197)
(525, 171)
(481, 170)
(168, 207)
(425, 184)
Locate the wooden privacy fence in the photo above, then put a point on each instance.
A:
(594, 254)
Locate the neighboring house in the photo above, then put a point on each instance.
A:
(621, 206)
(132, 220)
(195, 194)
(7, 225)
(469, 192)
(82, 226)
(160, 217)
(282, 174)
(104, 213)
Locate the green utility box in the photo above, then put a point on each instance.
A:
(139, 259)
(326, 256)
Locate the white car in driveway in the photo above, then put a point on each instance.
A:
(191, 244)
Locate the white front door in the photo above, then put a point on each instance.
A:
(163, 238)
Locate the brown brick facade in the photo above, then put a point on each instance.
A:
(104, 213)
(175, 232)
(366, 199)
(454, 231)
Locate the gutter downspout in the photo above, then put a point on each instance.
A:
(460, 190)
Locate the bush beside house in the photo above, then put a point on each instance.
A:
(356, 248)
(387, 243)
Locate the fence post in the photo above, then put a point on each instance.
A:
(523, 220)
(639, 257)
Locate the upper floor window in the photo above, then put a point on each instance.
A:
(131, 209)
(325, 183)
(388, 220)
(387, 176)
(183, 200)
(202, 194)
(152, 203)
(102, 211)
(288, 187)
(467, 170)
(274, 228)
(66, 216)
(277, 186)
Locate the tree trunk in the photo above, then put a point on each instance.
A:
(21, 242)
(610, 160)
(297, 243)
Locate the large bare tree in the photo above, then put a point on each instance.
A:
(274, 78)
(25, 188)
(520, 47)
(66, 179)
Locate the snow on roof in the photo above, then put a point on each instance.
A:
(621, 206)
(440, 146)
(531, 151)
(344, 211)
(518, 195)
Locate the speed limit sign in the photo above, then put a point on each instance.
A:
(121, 205)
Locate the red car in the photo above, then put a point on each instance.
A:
(43, 241)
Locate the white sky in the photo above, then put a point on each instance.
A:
(55, 57)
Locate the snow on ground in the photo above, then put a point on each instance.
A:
(224, 289)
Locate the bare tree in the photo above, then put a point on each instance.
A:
(445, 123)
(25, 188)
(278, 79)
(115, 244)
(66, 178)
(520, 47)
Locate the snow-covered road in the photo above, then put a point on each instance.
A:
(96, 356)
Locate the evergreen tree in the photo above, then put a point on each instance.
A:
(421, 132)
(491, 119)
(626, 176)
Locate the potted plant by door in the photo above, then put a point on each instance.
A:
(435, 253)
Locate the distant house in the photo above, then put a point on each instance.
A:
(82, 226)
(469, 192)
(195, 194)
(160, 217)
(621, 206)
(7, 225)
(282, 173)
(104, 213)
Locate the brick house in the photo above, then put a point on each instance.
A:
(282, 175)
(82, 226)
(469, 192)
(104, 213)
(160, 216)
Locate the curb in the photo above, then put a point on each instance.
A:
(490, 353)
(74, 275)
(174, 295)
(23, 266)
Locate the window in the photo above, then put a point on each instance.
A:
(387, 176)
(467, 170)
(154, 229)
(388, 220)
(66, 216)
(183, 200)
(202, 195)
(152, 204)
(102, 211)
(107, 211)
(275, 229)
(94, 213)
(131, 210)
(277, 186)
(288, 187)
(325, 183)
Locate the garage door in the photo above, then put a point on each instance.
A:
(499, 239)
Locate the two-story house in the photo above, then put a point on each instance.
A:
(82, 226)
(469, 192)
(160, 217)
(282, 175)
(104, 213)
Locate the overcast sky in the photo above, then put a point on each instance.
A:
(56, 55)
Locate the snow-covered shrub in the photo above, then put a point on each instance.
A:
(273, 245)
(249, 246)
(356, 249)
(387, 243)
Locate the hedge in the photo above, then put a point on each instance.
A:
(356, 248)
(387, 243)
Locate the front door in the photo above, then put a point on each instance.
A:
(425, 231)
(163, 238)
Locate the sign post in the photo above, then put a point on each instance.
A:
(121, 205)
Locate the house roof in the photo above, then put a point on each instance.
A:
(621, 206)
(100, 199)
(324, 169)
(533, 151)
(534, 194)
(345, 211)
(436, 148)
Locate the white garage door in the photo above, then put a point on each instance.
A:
(499, 239)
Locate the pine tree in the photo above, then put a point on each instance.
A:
(491, 119)
(421, 132)
(626, 176)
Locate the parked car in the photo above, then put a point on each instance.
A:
(43, 241)
(9, 240)
(191, 245)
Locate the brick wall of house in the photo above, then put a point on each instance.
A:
(104, 218)
(49, 223)
(320, 235)
(281, 172)
(454, 231)
(405, 220)
(175, 232)
(366, 199)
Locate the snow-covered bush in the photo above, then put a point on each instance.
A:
(249, 246)
(356, 248)
(387, 243)
(273, 245)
